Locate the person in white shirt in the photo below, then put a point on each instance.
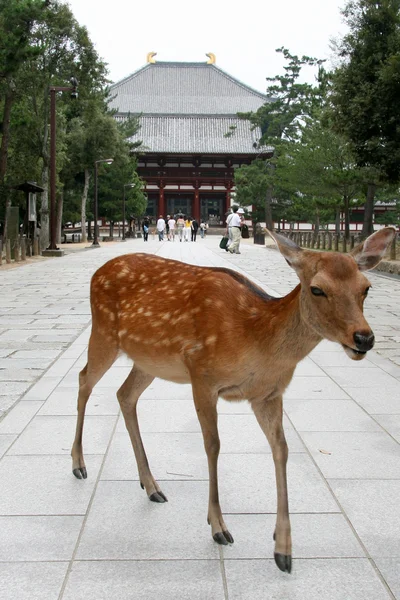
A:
(160, 228)
(181, 226)
(235, 224)
(171, 224)
(228, 225)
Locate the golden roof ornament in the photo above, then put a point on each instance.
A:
(212, 58)
(150, 57)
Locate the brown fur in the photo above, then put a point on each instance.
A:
(215, 329)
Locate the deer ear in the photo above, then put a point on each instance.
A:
(370, 252)
(289, 250)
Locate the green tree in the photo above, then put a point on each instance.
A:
(17, 21)
(62, 48)
(366, 92)
(321, 167)
(288, 102)
(111, 189)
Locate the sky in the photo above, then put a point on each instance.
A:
(243, 35)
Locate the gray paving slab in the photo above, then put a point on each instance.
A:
(345, 514)
(329, 415)
(141, 580)
(26, 539)
(314, 535)
(354, 455)
(390, 570)
(32, 581)
(174, 530)
(391, 424)
(247, 485)
(44, 485)
(322, 579)
(373, 510)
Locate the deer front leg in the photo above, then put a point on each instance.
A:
(269, 414)
(206, 406)
(128, 396)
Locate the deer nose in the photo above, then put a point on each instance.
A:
(364, 342)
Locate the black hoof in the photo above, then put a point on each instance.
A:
(141, 485)
(158, 497)
(274, 536)
(228, 536)
(283, 562)
(220, 539)
(80, 473)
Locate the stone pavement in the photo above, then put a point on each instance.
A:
(61, 538)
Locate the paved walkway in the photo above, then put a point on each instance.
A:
(101, 538)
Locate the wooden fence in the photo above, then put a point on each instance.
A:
(335, 241)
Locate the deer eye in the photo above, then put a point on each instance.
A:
(316, 291)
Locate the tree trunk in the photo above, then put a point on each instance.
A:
(268, 210)
(316, 227)
(44, 238)
(83, 206)
(337, 220)
(60, 205)
(5, 140)
(368, 227)
(346, 202)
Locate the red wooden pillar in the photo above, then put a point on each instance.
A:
(196, 203)
(161, 202)
(227, 199)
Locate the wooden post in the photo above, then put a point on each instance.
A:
(329, 241)
(16, 250)
(309, 240)
(393, 248)
(1, 252)
(344, 249)
(318, 241)
(352, 240)
(323, 240)
(336, 242)
(23, 249)
(8, 251)
(36, 247)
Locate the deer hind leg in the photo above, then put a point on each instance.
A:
(101, 355)
(206, 407)
(128, 396)
(269, 414)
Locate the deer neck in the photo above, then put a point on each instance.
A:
(295, 338)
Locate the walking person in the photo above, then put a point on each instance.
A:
(188, 229)
(181, 226)
(167, 226)
(202, 228)
(171, 225)
(145, 228)
(194, 228)
(160, 228)
(235, 225)
(235, 208)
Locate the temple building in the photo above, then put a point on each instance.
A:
(186, 110)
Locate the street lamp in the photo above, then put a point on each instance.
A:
(109, 161)
(130, 185)
(74, 94)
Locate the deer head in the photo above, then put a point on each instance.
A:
(334, 287)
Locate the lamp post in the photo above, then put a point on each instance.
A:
(109, 161)
(123, 211)
(53, 90)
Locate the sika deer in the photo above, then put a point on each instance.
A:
(218, 308)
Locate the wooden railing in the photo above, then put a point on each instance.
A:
(336, 241)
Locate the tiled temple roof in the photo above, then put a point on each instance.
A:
(188, 108)
(197, 134)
